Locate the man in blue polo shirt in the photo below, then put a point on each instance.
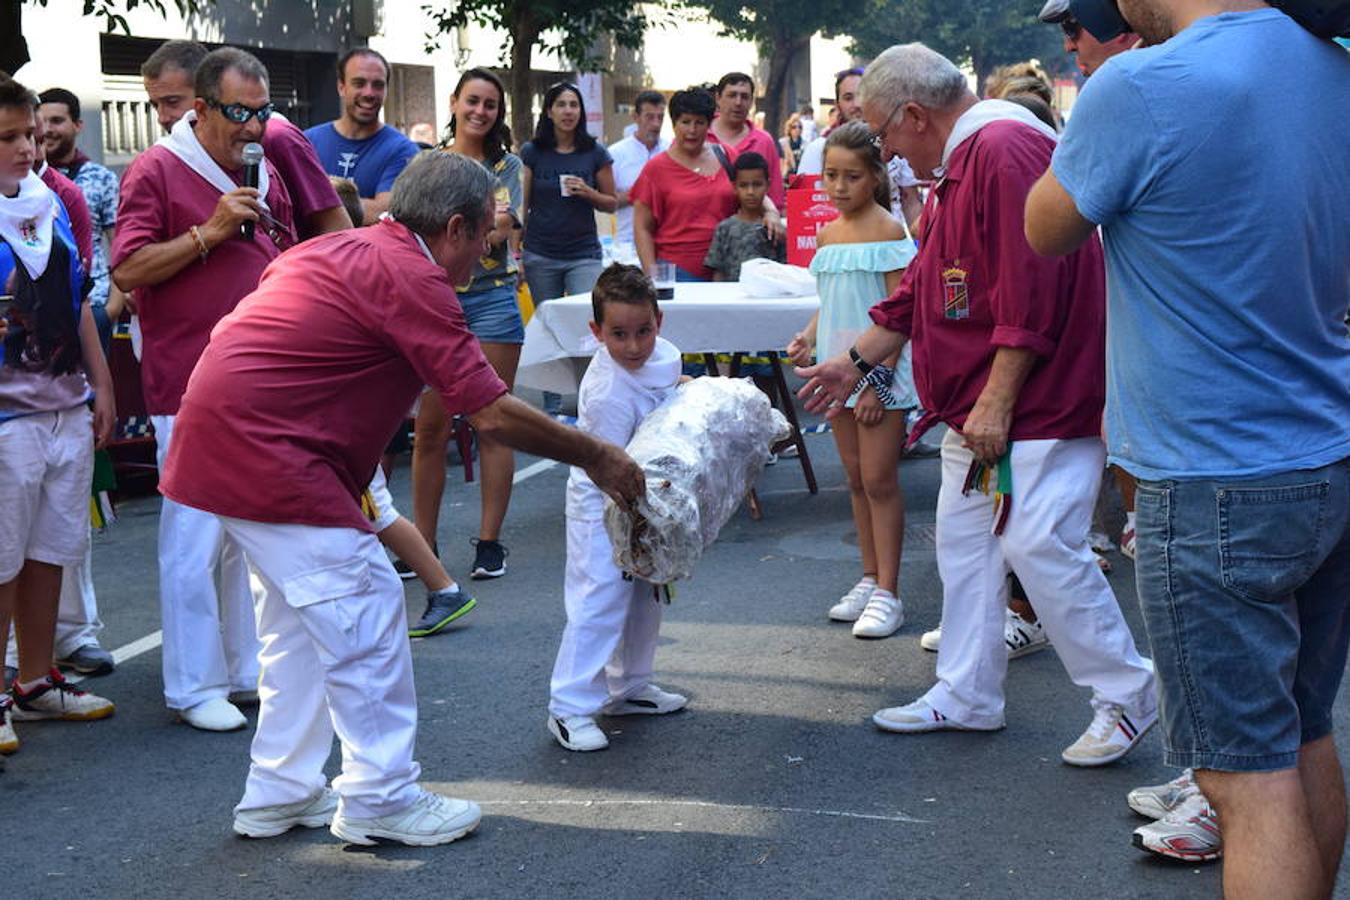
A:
(358, 145)
(1228, 396)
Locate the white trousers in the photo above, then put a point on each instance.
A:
(210, 643)
(335, 658)
(609, 642)
(1045, 542)
(77, 621)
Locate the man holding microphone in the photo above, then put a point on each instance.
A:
(180, 245)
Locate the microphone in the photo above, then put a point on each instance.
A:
(253, 157)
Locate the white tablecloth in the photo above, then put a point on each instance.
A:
(704, 317)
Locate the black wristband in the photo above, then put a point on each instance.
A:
(861, 364)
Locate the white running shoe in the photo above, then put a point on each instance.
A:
(217, 714)
(432, 819)
(882, 616)
(852, 604)
(1189, 833)
(578, 733)
(650, 701)
(1111, 735)
(917, 717)
(1156, 801)
(931, 640)
(56, 698)
(1022, 637)
(9, 741)
(270, 821)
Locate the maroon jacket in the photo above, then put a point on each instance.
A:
(976, 285)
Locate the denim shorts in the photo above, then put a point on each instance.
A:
(494, 315)
(1245, 589)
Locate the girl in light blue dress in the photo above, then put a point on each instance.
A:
(859, 259)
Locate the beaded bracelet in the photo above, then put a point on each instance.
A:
(202, 249)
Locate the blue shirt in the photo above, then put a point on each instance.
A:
(1217, 165)
(561, 227)
(373, 162)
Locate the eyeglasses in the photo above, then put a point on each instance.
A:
(239, 113)
(879, 136)
(1071, 27)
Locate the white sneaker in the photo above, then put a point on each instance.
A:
(1156, 801)
(578, 733)
(1022, 637)
(217, 714)
(931, 640)
(1111, 735)
(852, 604)
(270, 821)
(917, 717)
(1189, 833)
(650, 701)
(9, 741)
(883, 615)
(432, 819)
(56, 698)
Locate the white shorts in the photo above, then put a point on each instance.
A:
(46, 471)
(385, 514)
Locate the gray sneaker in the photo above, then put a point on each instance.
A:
(90, 660)
(270, 821)
(432, 819)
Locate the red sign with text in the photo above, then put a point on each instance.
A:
(808, 210)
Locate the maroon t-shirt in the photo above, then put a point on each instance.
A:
(287, 148)
(977, 285)
(77, 207)
(161, 199)
(295, 397)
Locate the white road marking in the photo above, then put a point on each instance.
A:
(705, 804)
(533, 469)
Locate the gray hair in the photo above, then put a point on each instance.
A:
(436, 186)
(206, 82)
(912, 72)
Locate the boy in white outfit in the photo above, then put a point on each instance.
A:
(604, 664)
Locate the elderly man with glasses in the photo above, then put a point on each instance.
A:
(1009, 353)
(181, 245)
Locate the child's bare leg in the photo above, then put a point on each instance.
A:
(879, 457)
(39, 595)
(408, 545)
(846, 439)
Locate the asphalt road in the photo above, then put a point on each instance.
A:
(772, 784)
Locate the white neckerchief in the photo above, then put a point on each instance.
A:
(26, 223)
(987, 112)
(182, 142)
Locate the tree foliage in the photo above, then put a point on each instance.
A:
(574, 28)
(984, 34)
(782, 29)
(14, 49)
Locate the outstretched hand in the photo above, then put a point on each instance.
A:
(615, 473)
(828, 384)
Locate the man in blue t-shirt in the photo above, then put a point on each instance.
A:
(1228, 396)
(358, 145)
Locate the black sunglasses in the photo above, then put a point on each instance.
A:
(1071, 27)
(239, 113)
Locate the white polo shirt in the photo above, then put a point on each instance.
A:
(630, 155)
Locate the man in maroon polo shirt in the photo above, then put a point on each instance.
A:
(278, 435)
(1009, 353)
(179, 245)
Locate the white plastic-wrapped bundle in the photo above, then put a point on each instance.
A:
(701, 451)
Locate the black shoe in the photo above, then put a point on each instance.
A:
(443, 607)
(91, 660)
(405, 571)
(489, 560)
